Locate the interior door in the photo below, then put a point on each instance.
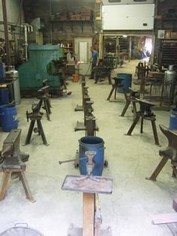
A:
(83, 54)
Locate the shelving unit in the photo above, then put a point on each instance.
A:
(67, 45)
(168, 52)
(72, 23)
(80, 18)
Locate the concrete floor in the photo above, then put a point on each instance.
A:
(134, 200)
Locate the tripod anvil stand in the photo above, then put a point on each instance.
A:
(90, 186)
(35, 116)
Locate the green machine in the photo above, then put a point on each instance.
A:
(36, 70)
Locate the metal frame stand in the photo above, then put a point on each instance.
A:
(44, 100)
(130, 98)
(145, 113)
(90, 187)
(170, 153)
(35, 116)
(84, 90)
(117, 84)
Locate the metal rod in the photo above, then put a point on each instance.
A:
(4, 11)
(76, 159)
(61, 162)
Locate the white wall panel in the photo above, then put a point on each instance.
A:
(128, 17)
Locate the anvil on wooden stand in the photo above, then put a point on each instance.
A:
(90, 186)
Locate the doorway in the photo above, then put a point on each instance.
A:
(83, 55)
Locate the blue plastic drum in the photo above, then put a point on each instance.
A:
(95, 144)
(126, 82)
(8, 118)
(173, 119)
(4, 96)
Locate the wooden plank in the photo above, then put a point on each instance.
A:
(5, 181)
(175, 204)
(88, 214)
(164, 218)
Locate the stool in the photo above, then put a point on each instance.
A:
(145, 113)
(117, 84)
(10, 166)
(170, 153)
(130, 98)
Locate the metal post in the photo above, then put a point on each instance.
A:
(4, 9)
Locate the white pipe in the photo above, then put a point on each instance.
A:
(26, 42)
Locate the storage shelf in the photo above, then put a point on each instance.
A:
(72, 23)
(168, 51)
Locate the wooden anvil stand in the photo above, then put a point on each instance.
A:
(13, 163)
(90, 186)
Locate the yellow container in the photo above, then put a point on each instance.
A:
(75, 78)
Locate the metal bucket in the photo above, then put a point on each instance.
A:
(18, 230)
(91, 143)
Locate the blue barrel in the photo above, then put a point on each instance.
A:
(2, 71)
(91, 143)
(126, 81)
(173, 119)
(8, 118)
(4, 96)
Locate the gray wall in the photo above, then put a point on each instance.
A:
(14, 15)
